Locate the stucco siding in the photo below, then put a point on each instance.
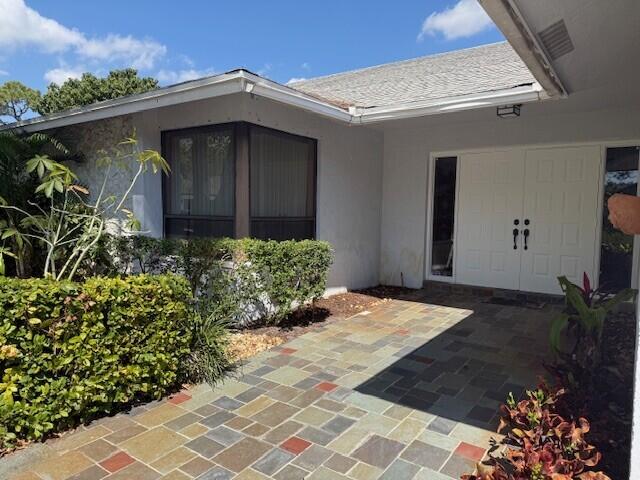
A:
(408, 145)
(349, 182)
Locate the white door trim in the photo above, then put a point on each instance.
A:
(603, 144)
(431, 168)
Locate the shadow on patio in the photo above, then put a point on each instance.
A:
(459, 356)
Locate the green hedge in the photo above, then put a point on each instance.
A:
(291, 272)
(266, 278)
(71, 351)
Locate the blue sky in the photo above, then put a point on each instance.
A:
(44, 40)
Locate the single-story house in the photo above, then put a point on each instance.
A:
(488, 166)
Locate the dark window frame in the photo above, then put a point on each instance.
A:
(314, 180)
(241, 218)
(165, 137)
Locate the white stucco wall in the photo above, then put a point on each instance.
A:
(408, 144)
(349, 189)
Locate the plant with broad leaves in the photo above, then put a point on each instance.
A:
(17, 185)
(72, 223)
(576, 333)
(540, 443)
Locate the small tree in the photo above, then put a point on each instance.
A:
(89, 89)
(16, 100)
(72, 223)
(18, 186)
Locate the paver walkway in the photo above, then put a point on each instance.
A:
(407, 390)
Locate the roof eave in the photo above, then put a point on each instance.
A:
(506, 15)
(225, 84)
(516, 95)
(242, 81)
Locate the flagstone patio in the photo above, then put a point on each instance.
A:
(409, 389)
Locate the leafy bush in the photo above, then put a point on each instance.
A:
(540, 443)
(72, 351)
(576, 338)
(244, 280)
(291, 272)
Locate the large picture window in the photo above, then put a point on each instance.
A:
(200, 190)
(282, 185)
(238, 180)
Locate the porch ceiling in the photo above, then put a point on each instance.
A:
(605, 36)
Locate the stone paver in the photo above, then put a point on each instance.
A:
(407, 390)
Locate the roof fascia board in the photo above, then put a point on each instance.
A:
(524, 94)
(242, 81)
(510, 21)
(283, 94)
(217, 86)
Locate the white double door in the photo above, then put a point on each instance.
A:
(527, 216)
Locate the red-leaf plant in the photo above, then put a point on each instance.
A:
(540, 444)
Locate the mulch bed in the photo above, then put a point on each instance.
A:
(251, 341)
(611, 427)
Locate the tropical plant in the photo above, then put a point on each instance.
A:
(540, 444)
(16, 99)
(18, 186)
(208, 360)
(72, 223)
(88, 89)
(576, 333)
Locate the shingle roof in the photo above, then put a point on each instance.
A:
(474, 70)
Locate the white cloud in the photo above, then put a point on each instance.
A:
(3, 73)
(176, 76)
(61, 74)
(296, 79)
(465, 19)
(140, 53)
(305, 66)
(22, 26)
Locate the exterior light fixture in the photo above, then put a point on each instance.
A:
(509, 111)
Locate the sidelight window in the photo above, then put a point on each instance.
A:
(617, 248)
(444, 198)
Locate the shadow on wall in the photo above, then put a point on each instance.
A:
(459, 357)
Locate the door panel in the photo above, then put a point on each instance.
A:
(490, 198)
(561, 203)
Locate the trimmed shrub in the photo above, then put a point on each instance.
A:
(70, 352)
(243, 280)
(291, 273)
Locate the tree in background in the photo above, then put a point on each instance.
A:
(90, 89)
(16, 100)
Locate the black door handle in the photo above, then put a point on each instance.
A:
(515, 238)
(526, 236)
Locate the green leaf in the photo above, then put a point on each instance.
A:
(9, 232)
(558, 325)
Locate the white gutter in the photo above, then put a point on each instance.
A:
(242, 81)
(257, 85)
(210, 87)
(523, 94)
(185, 92)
